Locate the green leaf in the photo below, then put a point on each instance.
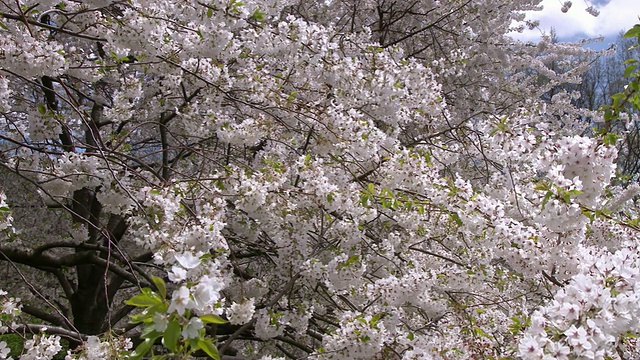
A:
(541, 186)
(2, 25)
(207, 346)
(258, 15)
(193, 343)
(42, 109)
(374, 319)
(142, 349)
(480, 333)
(628, 71)
(144, 316)
(145, 299)
(633, 32)
(589, 214)
(610, 115)
(149, 332)
(617, 99)
(547, 196)
(160, 285)
(370, 188)
(351, 260)
(212, 319)
(330, 197)
(172, 334)
(610, 139)
(364, 199)
(456, 218)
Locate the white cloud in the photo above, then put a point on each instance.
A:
(615, 16)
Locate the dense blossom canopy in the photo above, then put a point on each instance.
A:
(326, 179)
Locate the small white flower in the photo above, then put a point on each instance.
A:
(559, 351)
(11, 306)
(177, 274)
(96, 349)
(188, 260)
(577, 336)
(193, 327)
(41, 347)
(4, 350)
(570, 311)
(207, 292)
(160, 322)
(202, 296)
(529, 348)
(181, 301)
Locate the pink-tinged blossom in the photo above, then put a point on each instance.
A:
(576, 336)
(558, 351)
(570, 311)
(529, 348)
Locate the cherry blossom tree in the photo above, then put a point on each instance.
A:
(273, 179)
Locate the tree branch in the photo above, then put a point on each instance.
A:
(53, 330)
(43, 315)
(50, 27)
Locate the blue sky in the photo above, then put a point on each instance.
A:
(575, 24)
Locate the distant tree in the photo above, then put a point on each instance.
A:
(606, 77)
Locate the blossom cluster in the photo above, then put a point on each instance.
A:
(331, 179)
(594, 316)
(94, 349)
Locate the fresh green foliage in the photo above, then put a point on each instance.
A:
(170, 328)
